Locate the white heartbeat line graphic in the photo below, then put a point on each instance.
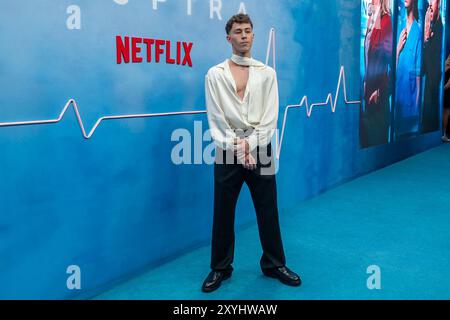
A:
(278, 143)
(332, 102)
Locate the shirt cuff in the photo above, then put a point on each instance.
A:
(252, 142)
(225, 145)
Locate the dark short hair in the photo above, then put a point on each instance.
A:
(238, 18)
(416, 9)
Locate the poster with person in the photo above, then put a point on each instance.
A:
(376, 71)
(402, 69)
(433, 56)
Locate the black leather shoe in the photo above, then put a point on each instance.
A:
(285, 275)
(214, 279)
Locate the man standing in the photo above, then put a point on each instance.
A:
(432, 67)
(242, 108)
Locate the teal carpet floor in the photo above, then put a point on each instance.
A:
(397, 218)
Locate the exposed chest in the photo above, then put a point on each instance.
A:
(240, 75)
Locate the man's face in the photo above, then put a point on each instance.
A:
(408, 4)
(434, 9)
(375, 6)
(241, 37)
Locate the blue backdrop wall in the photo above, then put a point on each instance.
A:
(116, 203)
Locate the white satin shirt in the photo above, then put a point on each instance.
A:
(227, 112)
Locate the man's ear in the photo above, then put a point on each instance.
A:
(228, 38)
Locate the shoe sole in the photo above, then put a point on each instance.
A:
(211, 289)
(286, 282)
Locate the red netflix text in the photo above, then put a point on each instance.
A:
(136, 50)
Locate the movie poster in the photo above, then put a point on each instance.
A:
(402, 56)
(408, 78)
(433, 55)
(376, 71)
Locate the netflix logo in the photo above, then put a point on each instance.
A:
(136, 50)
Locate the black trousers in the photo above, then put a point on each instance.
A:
(228, 181)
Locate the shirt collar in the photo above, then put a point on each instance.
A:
(222, 65)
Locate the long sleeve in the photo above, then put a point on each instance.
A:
(221, 132)
(386, 45)
(264, 131)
